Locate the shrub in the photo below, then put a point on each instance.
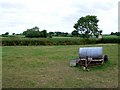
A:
(110, 40)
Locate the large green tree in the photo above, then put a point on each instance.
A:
(75, 33)
(88, 26)
(43, 33)
(34, 32)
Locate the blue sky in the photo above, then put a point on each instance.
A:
(56, 15)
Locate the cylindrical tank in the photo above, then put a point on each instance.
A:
(93, 52)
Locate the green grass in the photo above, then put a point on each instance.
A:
(48, 67)
(0, 67)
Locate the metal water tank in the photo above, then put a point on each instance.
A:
(93, 52)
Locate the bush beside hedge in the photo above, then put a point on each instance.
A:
(110, 40)
(55, 41)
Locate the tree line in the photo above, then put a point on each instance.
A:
(35, 32)
(116, 33)
(85, 27)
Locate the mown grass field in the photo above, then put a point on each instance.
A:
(48, 67)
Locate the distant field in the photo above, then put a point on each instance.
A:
(22, 36)
(48, 67)
(110, 36)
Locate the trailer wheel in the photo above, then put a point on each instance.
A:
(105, 58)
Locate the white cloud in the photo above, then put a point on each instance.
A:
(55, 15)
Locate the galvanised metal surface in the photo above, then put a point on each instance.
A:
(93, 52)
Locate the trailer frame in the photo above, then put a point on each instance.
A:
(88, 61)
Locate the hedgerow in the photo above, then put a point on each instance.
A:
(55, 41)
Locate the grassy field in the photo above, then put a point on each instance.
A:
(0, 67)
(48, 67)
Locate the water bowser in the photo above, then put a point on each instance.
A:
(90, 52)
(89, 56)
